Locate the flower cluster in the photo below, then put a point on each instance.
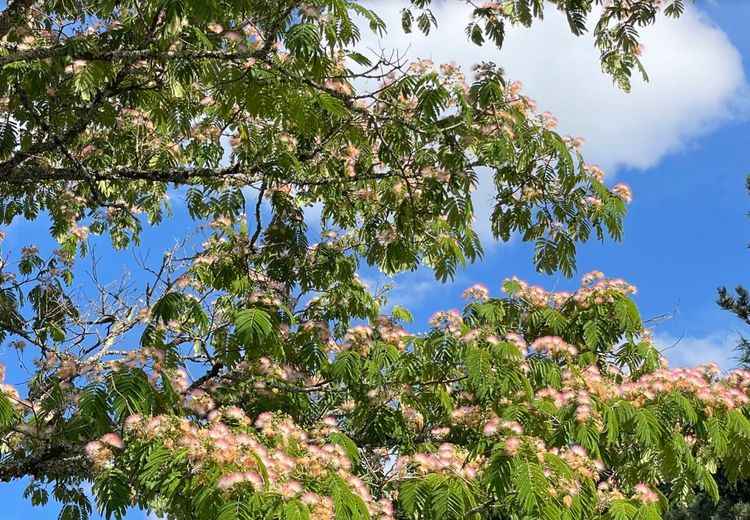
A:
(448, 459)
(270, 454)
(598, 290)
(470, 416)
(6, 389)
(579, 461)
(645, 494)
(389, 331)
(595, 171)
(200, 402)
(534, 296)
(100, 452)
(595, 289)
(450, 320)
(554, 346)
(413, 418)
(477, 291)
(623, 191)
(729, 393)
(495, 425)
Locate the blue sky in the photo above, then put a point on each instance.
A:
(680, 141)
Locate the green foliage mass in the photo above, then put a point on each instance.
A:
(251, 373)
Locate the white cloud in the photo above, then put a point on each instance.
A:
(414, 290)
(690, 351)
(696, 82)
(695, 75)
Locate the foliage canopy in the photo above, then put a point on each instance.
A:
(253, 374)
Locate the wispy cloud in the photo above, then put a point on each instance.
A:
(690, 351)
(415, 290)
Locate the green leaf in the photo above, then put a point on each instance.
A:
(6, 411)
(253, 326)
(349, 445)
(531, 485)
(112, 493)
(347, 367)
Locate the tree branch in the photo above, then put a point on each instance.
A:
(43, 53)
(36, 173)
(62, 461)
(13, 15)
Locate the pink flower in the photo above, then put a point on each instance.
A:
(579, 451)
(441, 431)
(623, 191)
(113, 440)
(254, 478)
(512, 445)
(476, 292)
(310, 498)
(230, 480)
(645, 494)
(92, 448)
(489, 428)
(233, 412)
(291, 489)
(263, 419)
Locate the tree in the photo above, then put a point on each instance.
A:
(735, 496)
(733, 503)
(739, 305)
(534, 405)
(304, 400)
